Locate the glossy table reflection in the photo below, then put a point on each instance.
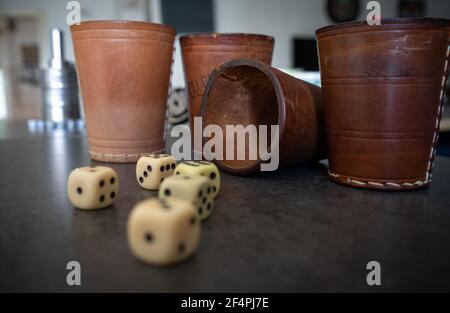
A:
(288, 231)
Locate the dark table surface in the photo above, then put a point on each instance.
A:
(287, 231)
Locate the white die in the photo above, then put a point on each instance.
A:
(162, 232)
(202, 168)
(152, 169)
(92, 188)
(196, 189)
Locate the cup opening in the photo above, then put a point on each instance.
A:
(243, 93)
(122, 24)
(211, 38)
(387, 23)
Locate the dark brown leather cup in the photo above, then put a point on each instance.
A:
(124, 72)
(202, 53)
(248, 92)
(382, 88)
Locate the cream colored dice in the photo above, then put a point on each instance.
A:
(162, 232)
(152, 169)
(92, 188)
(203, 168)
(195, 189)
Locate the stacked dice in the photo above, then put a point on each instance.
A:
(173, 221)
(163, 230)
(210, 174)
(194, 189)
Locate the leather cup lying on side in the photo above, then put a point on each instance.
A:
(124, 71)
(382, 88)
(204, 52)
(248, 92)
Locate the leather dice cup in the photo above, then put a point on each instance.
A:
(202, 53)
(248, 92)
(124, 72)
(382, 88)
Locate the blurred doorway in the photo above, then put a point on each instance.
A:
(19, 67)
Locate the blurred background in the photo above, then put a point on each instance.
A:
(25, 34)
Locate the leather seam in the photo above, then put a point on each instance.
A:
(438, 119)
(378, 184)
(104, 156)
(166, 122)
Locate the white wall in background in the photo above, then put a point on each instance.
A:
(135, 10)
(3, 111)
(282, 19)
(285, 19)
(3, 87)
(178, 73)
(52, 13)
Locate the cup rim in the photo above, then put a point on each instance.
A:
(267, 70)
(218, 35)
(387, 23)
(122, 24)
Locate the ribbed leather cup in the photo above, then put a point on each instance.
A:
(383, 89)
(202, 53)
(124, 72)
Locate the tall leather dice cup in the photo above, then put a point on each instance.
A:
(124, 71)
(383, 97)
(248, 92)
(202, 53)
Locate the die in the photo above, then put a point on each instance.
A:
(163, 231)
(91, 188)
(152, 169)
(195, 189)
(203, 168)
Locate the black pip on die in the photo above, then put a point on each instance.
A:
(152, 169)
(92, 188)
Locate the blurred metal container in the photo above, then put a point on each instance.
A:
(59, 85)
